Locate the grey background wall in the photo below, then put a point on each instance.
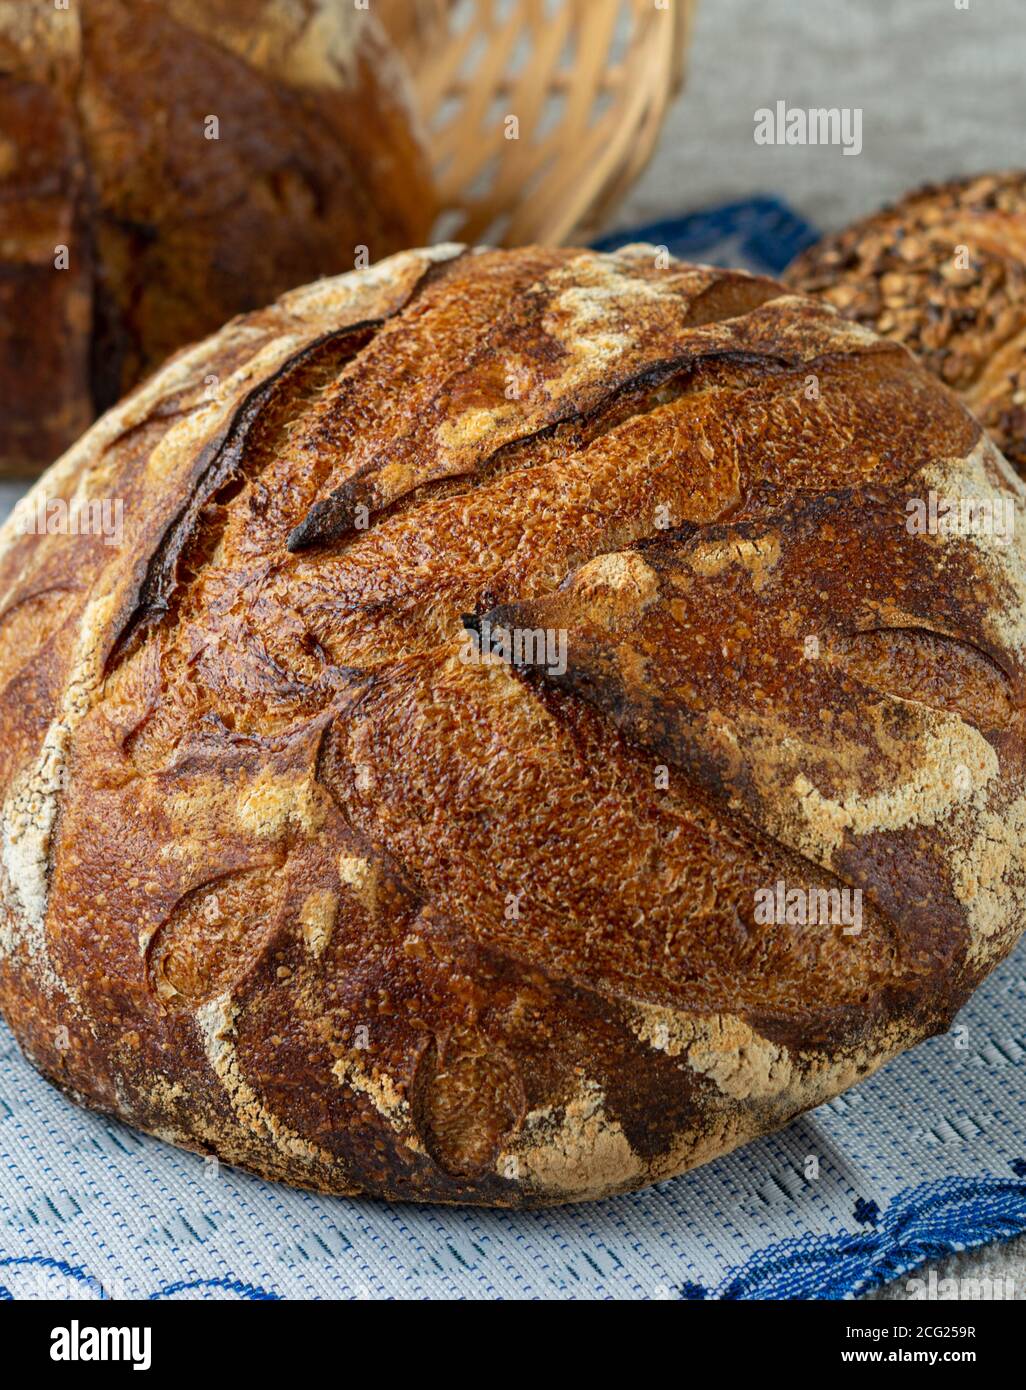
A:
(943, 91)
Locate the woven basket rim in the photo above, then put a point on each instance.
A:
(584, 131)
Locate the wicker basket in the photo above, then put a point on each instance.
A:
(588, 81)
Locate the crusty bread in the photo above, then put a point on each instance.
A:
(298, 870)
(944, 272)
(107, 149)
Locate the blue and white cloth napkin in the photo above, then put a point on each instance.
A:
(925, 1158)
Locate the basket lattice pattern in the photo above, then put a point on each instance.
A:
(541, 113)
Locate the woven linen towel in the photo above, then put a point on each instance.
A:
(927, 1157)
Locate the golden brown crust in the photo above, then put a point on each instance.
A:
(104, 150)
(944, 273)
(290, 877)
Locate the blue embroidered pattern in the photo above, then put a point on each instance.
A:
(930, 1221)
(760, 234)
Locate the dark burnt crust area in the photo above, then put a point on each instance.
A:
(333, 900)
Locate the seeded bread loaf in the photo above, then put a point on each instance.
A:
(944, 272)
(300, 870)
(165, 164)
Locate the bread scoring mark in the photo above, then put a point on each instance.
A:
(333, 313)
(218, 440)
(721, 1047)
(644, 421)
(926, 667)
(986, 475)
(317, 919)
(212, 935)
(625, 572)
(473, 426)
(665, 913)
(468, 1099)
(597, 313)
(573, 1152)
(190, 435)
(215, 1022)
(378, 290)
(274, 802)
(828, 774)
(934, 788)
(584, 332)
(758, 556)
(989, 879)
(382, 1092)
(30, 812)
(71, 474)
(28, 624)
(562, 507)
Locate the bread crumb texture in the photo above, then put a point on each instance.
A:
(301, 868)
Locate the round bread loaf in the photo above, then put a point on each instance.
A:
(944, 272)
(165, 164)
(515, 746)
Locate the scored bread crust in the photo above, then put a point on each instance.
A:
(289, 877)
(944, 272)
(107, 149)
